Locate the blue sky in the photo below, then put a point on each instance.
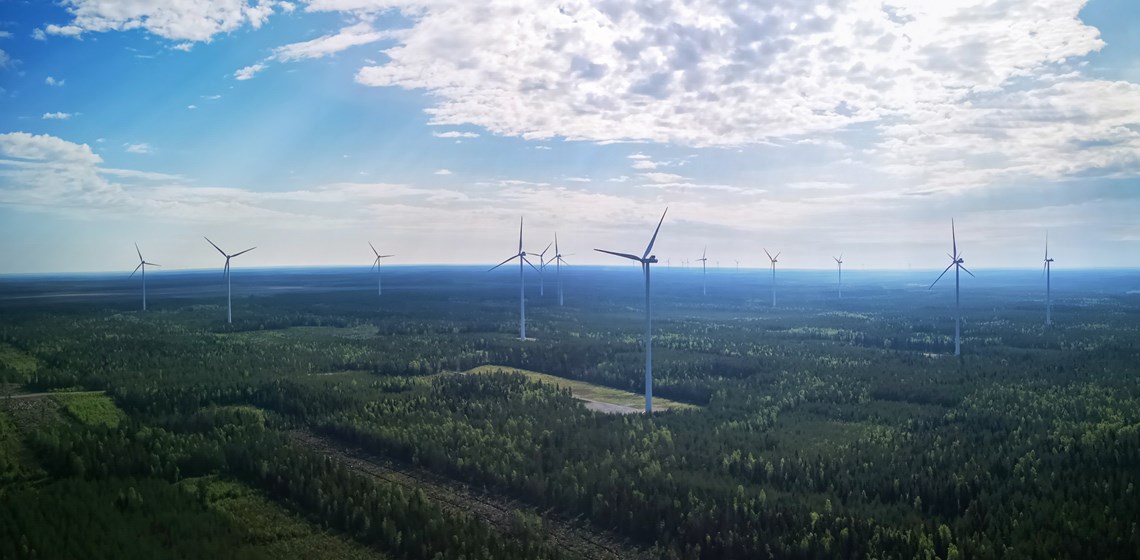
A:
(428, 127)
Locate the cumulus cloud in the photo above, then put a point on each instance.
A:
(57, 116)
(142, 148)
(44, 147)
(443, 172)
(190, 21)
(658, 177)
(53, 82)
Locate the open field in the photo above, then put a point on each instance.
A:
(90, 408)
(626, 401)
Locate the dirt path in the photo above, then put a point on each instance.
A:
(38, 395)
(493, 510)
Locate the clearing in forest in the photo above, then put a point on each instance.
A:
(91, 408)
(596, 397)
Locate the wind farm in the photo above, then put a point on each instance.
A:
(438, 405)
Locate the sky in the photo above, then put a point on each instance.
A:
(310, 128)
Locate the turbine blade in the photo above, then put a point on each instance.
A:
(502, 263)
(520, 236)
(384, 256)
(626, 255)
(377, 253)
(767, 253)
(136, 270)
(967, 271)
(1046, 244)
(151, 264)
(546, 249)
(653, 239)
(953, 236)
(531, 264)
(556, 252)
(216, 247)
(141, 259)
(941, 275)
(226, 269)
(777, 257)
(705, 252)
(245, 251)
(374, 263)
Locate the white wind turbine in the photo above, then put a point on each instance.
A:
(226, 273)
(774, 261)
(376, 265)
(956, 261)
(1048, 270)
(521, 256)
(558, 262)
(704, 271)
(142, 266)
(646, 260)
(839, 263)
(542, 262)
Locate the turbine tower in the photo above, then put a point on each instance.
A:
(774, 261)
(142, 266)
(376, 265)
(558, 262)
(521, 256)
(737, 266)
(956, 261)
(226, 274)
(839, 263)
(704, 271)
(646, 260)
(1047, 270)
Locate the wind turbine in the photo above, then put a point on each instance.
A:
(376, 265)
(704, 271)
(956, 261)
(774, 261)
(737, 266)
(1047, 270)
(646, 260)
(839, 262)
(226, 273)
(142, 266)
(521, 256)
(542, 267)
(558, 262)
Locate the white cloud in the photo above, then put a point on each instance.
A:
(5, 60)
(543, 148)
(184, 47)
(357, 34)
(211, 97)
(657, 177)
(819, 185)
(53, 82)
(455, 134)
(193, 21)
(5, 34)
(249, 71)
(39, 35)
(142, 148)
(44, 147)
(191, 107)
(57, 116)
(579, 179)
(443, 172)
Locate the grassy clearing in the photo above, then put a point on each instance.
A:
(23, 363)
(271, 529)
(91, 408)
(589, 391)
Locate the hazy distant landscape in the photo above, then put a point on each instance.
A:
(326, 418)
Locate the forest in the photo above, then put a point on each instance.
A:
(329, 422)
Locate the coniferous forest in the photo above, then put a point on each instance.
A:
(329, 422)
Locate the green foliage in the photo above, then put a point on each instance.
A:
(92, 409)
